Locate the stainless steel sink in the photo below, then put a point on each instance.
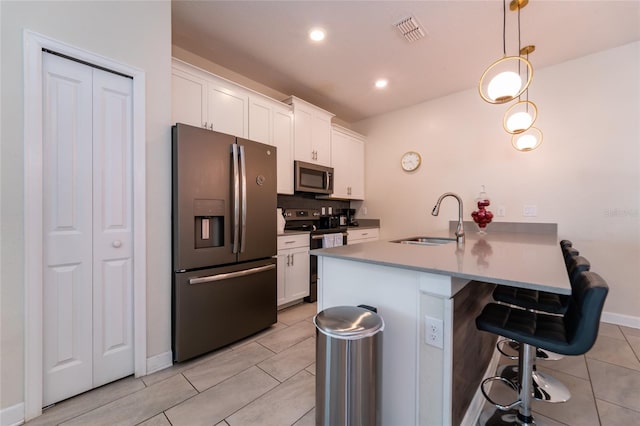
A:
(426, 241)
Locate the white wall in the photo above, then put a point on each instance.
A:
(134, 33)
(585, 176)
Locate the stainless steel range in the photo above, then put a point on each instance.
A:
(322, 231)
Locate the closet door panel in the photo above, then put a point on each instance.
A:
(113, 231)
(67, 228)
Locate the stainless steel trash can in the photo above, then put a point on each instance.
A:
(348, 366)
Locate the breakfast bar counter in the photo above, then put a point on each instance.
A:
(429, 296)
(523, 260)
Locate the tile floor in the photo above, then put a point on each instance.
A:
(268, 379)
(604, 384)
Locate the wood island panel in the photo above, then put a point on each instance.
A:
(472, 349)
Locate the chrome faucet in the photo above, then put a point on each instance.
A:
(460, 228)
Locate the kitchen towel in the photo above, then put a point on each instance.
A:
(331, 240)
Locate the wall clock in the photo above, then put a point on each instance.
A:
(410, 161)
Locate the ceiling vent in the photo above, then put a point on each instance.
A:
(410, 29)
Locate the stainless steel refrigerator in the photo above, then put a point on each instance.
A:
(224, 239)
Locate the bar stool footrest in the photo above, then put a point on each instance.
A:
(492, 402)
(508, 342)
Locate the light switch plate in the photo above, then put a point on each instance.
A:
(530, 210)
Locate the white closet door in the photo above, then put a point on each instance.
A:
(88, 285)
(112, 225)
(67, 225)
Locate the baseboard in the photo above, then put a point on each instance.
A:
(477, 403)
(159, 362)
(12, 416)
(620, 319)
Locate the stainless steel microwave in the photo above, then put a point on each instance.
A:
(313, 178)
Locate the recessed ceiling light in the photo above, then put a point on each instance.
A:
(316, 34)
(381, 83)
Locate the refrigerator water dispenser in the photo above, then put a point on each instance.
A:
(209, 223)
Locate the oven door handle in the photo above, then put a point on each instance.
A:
(319, 237)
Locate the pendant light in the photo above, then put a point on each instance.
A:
(501, 81)
(527, 140)
(521, 115)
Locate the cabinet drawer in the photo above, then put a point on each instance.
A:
(359, 234)
(293, 241)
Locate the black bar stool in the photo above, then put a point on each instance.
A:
(565, 244)
(546, 387)
(551, 303)
(568, 253)
(573, 333)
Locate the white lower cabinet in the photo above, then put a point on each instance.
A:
(363, 235)
(293, 268)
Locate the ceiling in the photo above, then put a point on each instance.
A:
(267, 41)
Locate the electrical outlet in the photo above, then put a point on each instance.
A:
(530, 210)
(502, 211)
(364, 210)
(434, 332)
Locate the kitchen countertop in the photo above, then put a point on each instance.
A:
(524, 260)
(363, 227)
(285, 233)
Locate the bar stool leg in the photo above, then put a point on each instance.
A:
(525, 370)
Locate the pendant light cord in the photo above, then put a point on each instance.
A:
(504, 27)
(519, 42)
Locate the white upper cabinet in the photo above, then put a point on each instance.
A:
(347, 160)
(312, 132)
(189, 98)
(271, 122)
(228, 108)
(205, 100)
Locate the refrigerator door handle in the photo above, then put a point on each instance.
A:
(243, 168)
(236, 199)
(229, 275)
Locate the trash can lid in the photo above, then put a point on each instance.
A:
(348, 322)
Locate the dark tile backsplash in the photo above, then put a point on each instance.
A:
(309, 201)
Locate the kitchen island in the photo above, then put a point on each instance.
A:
(429, 296)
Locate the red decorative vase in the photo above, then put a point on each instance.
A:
(482, 217)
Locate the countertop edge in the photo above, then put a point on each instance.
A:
(546, 272)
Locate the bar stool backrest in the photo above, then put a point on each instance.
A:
(582, 319)
(568, 254)
(577, 264)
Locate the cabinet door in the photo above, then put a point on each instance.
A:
(260, 120)
(297, 280)
(282, 267)
(303, 124)
(356, 168)
(282, 125)
(188, 99)
(347, 160)
(340, 162)
(228, 109)
(321, 139)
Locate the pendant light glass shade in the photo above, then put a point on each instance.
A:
(501, 81)
(506, 84)
(528, 140)
(520, 117)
